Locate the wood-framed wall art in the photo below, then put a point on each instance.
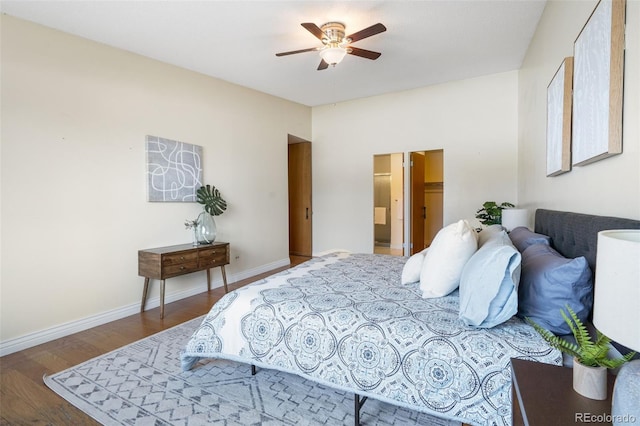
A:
(598, 84)
(559, 119)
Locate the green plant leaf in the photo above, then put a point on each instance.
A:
(210, 197)
(578, 329)
(564, 345)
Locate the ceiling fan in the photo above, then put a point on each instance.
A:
(334, 43)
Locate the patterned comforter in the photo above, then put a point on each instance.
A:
(344, 320)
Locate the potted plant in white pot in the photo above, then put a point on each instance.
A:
(590, 359)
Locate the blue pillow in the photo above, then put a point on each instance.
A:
(548, 283)
(489, 284)
(522, 237)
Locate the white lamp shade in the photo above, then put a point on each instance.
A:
(616, 305)
(333, 55)
(512, 218)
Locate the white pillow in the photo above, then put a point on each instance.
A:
(449, 252)
(413, 267)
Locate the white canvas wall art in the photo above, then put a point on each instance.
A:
(174, 170)
(598, 84)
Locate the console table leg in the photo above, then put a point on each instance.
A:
(224, 279)
(209, 279)
(144, 293)
(161, 299)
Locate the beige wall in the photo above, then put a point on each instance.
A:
(74, 213)
(607, 187)
(475, 122)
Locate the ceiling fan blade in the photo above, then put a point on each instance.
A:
(364, 53)
(367, 32)
(323, 65)
(313, 29)
(293, 52)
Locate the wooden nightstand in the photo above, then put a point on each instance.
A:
(543, 395)
(166, 262)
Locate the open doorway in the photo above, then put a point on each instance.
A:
(388, 204)
(427, 197)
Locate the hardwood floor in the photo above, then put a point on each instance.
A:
(388, 250)
(24, 399)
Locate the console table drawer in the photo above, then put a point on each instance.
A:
(214, 257)
(170, 270)
(179, 258)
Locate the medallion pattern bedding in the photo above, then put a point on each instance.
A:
(344, 320)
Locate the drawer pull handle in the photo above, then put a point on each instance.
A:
(181, 257)
(182, 268)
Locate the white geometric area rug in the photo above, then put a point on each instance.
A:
(143, 384)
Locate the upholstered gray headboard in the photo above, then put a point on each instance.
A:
(576, 234)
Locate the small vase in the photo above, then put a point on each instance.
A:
(590, 382)
(194, 233)
(206, 230)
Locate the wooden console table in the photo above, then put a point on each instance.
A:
(166, 262)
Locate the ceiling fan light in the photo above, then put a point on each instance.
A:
(333, 55)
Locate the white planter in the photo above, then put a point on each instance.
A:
(590, 382)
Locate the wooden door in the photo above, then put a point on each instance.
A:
(300, 211)
(433, 197)
(418, 208)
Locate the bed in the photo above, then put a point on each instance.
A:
(345, 321)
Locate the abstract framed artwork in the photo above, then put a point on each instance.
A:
(559, 119)
(598, 84)
(174, 170)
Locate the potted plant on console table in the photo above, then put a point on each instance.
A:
(590, 359)
(213, 205)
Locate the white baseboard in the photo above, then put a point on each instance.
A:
(32, 339)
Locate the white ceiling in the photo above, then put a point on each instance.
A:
(427, 42)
